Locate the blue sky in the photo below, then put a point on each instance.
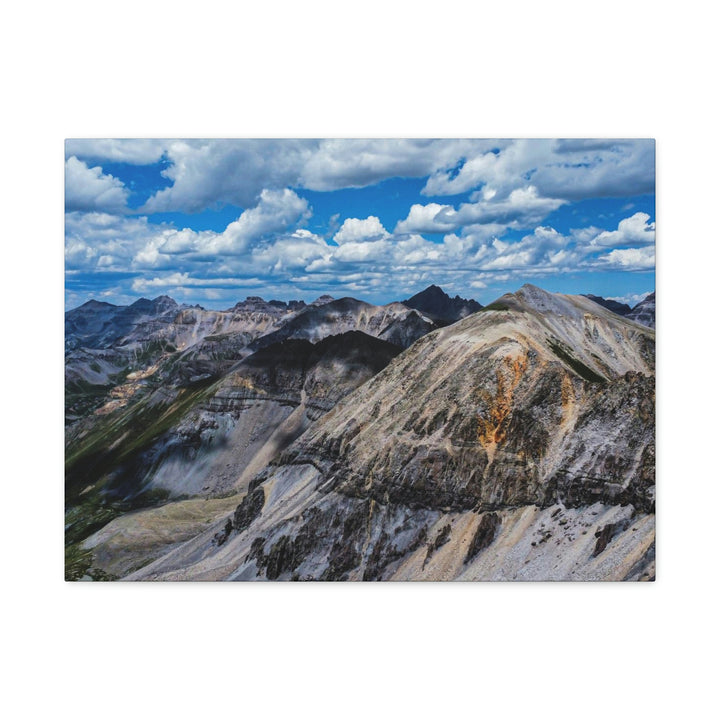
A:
(213, 221)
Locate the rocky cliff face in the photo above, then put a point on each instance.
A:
(516, 444)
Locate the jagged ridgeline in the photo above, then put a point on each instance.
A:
(432, 439)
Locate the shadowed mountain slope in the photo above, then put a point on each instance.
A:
(208, 438)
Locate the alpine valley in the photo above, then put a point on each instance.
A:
(428, 439)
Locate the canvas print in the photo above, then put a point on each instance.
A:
(360, 360)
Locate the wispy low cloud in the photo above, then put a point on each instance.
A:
(184, 280)
(266, 247)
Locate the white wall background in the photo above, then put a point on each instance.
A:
(558, 69)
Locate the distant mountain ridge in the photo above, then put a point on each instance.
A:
(436, 304)
(254, 301)
(612, 305)
(395, 322)
(643, 312)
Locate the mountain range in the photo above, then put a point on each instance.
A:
(643, 312)
(432, 439)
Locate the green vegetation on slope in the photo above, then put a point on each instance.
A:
(104, 469)
(497, 306)
(569, 359)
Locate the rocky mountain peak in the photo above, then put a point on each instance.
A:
(532, 298)
(163, 303)
(95, 305)
(254, 303)
(250, 302)
(323, 300)
(141, 302)
(440, 307)
(432, 291)
(530, 290)
(159, 305)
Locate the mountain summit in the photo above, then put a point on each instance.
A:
(436, 304)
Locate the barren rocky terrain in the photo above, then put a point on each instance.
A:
(345, 441)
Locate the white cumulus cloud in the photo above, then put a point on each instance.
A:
(635, 230)
(205, 173)
(356, 230)
(277, 211)
(523, 207)
(630, 258)
(422, 219)
(567, 169)
(89, 189)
